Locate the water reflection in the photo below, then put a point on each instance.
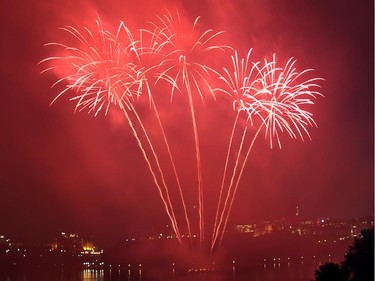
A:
(266, 270)
(90, 274)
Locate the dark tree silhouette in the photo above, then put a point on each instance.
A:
(330, 272)
(359, 261)
(358, 264)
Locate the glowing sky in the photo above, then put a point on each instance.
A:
(62, 171)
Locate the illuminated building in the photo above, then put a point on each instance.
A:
(323, 229)
(357, 225)
(246, 228)
(2, 239)
(255, 230)
(71, 243)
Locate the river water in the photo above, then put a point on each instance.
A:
(283, 271)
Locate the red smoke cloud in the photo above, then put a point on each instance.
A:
(65, 171)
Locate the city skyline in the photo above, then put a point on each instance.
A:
(65, 171)
(290, 224)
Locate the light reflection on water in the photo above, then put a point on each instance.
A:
(271, 271)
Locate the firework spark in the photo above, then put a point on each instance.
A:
(184, 48)
(102, 71)
(237, 82)
(108, 69)
(283, 94)
(275, 95)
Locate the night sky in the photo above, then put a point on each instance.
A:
(73, 172)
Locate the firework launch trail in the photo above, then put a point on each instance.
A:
(125, 69)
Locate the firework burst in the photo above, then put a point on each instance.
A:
(184, 49)
(106, 69)
(103, 70)
(109, 69)
(277, 96)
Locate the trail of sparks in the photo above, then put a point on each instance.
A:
(115, 69)
(166, 202)
(229, 192)
(107, 72)
(181, 65)
(215, 230)
(237, 82)
(174, 171)
(167, 198)
(275, 96)
(233, 195)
